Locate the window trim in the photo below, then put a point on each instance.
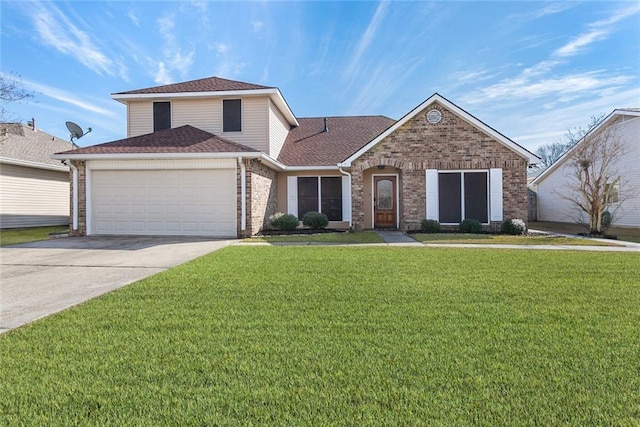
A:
(462, 193)
(614, 196)
(241, 115)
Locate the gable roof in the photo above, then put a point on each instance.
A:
(604, 123)
(209, 87)
(22, 145)
(183, 139)
(310, 145)
(531, 158)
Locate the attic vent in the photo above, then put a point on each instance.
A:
(434, 116)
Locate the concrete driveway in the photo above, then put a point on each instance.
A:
(41, 278)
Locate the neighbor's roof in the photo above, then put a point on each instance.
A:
(209, 87)
(310, 145)
(604, 123)
(21, 145)
(209, 84)
(183, 139)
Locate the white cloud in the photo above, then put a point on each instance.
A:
(367, 37)
(221, 48)
(576, 45)
(56, 30)
(598, 30)
(69, 98)
(162, 75)
(257, 25)
(134, 18)
(173, 58)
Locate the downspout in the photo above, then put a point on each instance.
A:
(243, 194)
(74, 200)
(343, 172)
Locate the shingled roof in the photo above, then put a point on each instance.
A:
(310, 145)
(183, 139)
(21, 143)
(209, 84)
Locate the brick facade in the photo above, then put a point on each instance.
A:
(82, 198)
(451, 144)
(261, 197)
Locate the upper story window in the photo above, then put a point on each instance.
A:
(161, 115)
(232, 115)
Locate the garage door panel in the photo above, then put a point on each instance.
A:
(164, 202)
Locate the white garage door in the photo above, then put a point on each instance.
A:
(196, 202)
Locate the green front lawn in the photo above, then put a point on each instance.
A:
(504, 239)
(26, 235)
(342, 336)
(338, 237)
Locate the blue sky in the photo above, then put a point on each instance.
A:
(529, 69)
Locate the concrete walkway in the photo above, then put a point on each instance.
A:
(397, 238)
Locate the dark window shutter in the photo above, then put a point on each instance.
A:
(449, 198)
(161, 115)
(232, 115)
(475, 196)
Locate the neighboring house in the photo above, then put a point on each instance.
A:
(553, 183)
(34, 188)
(217, 157)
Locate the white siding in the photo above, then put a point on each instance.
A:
(203, 114)
(31, 197)
(278, 131)
(206, 114)
(552, 207)
(139, 117)
(255, 124)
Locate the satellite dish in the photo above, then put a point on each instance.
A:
(76, 131)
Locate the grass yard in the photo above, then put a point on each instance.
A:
(345, 237)
(342, 336)
(504, 239)
(26, 235)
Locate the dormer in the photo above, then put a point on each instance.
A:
(253, 115)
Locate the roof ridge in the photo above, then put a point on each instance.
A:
(206, 81)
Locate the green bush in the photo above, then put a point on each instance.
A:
(606, 220)
(284, 222)
(471, 226)
(315, 220)
(515, 227)
(430, 226)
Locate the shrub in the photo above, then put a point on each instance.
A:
(430, 226)
(315, 220)
(284, 222)
(515, 226)
(606, 220)
(470, 226)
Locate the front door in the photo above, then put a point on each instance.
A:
(384, 202)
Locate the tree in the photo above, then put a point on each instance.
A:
(549, 153)
(593, 176)
(11, 90)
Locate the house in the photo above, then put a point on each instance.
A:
(34, 188)
(553, 183)
(217, 157)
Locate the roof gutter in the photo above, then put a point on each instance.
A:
(169, 156)
(30, 164)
